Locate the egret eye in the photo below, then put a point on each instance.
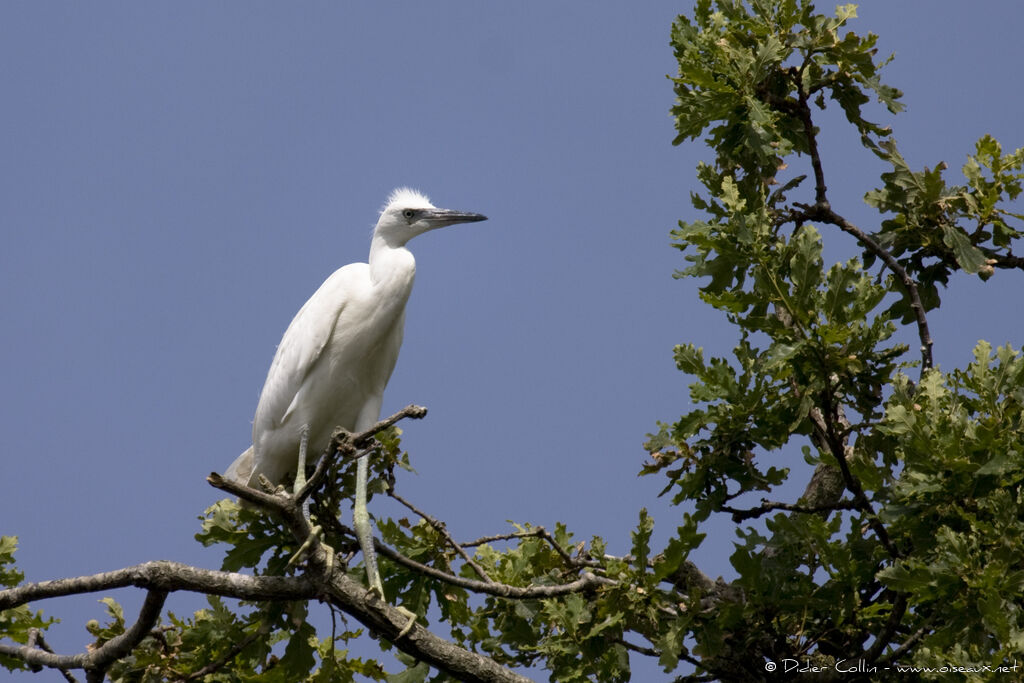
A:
(409, 213)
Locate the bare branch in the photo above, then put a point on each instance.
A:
(36, 639)
(99, 660)
(388, 622)
(158, 578)
(804, 112)
(164, 575)
(249, 494)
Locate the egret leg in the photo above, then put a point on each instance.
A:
(361, 521)
(300, 473)
(316, 531)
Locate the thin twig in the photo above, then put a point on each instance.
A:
(443, 530)
(767, 506)
(537, 532)
(910, 642)
(499, 537)
(822, 210)
(804, 112)
(639, 649)
(213, 667)
(827, 215)
(347, 444)
(587, 580)
(545, 535)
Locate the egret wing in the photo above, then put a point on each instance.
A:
(302, 345)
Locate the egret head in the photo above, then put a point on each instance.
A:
(408, 213)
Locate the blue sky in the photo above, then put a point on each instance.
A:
(177, 179)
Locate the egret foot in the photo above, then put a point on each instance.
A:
(408, 626)
(316, 533)
(410, 615)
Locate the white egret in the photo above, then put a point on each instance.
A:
(337, 355)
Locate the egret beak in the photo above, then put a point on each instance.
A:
(439, 218)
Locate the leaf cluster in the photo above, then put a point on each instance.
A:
(905, 544)
(747, 70)
(16, 623)
(935, 228)
(959, 504)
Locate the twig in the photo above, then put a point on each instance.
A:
(270, 501)
(639, 649)
(223, 661)
(443, 530)
(36, 639)
(543, 533)
(822, 210)
(768, 506)
(804, 112)
(838, 451)
(899, 608)
(537, 532)
(827, 215)
(347, 444)
(587, 580)
(909, 642)
(499, 537)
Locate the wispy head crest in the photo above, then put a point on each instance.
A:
(406, 196)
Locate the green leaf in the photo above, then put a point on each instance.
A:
(690, 359)
(970, 258)
(642, 540)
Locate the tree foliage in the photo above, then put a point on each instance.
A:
(904, 549)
